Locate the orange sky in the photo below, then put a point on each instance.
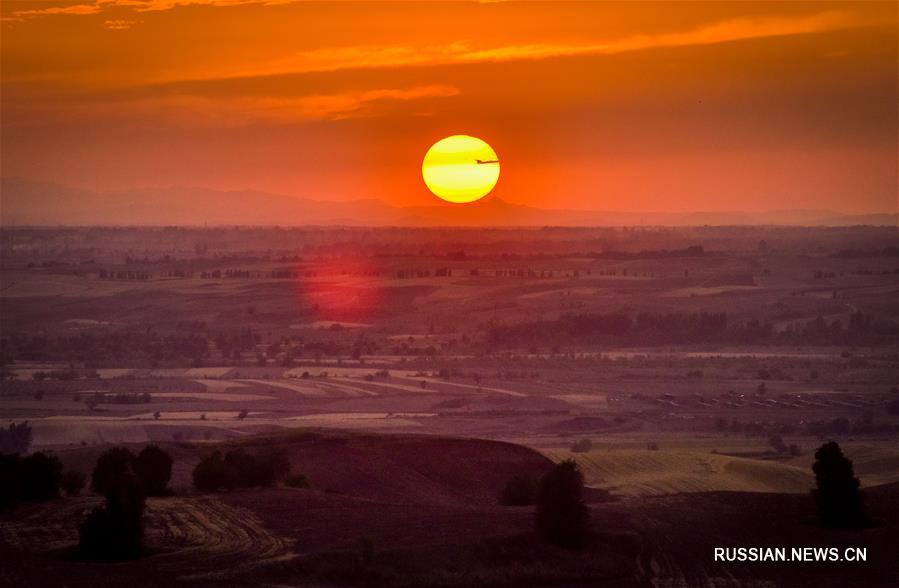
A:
(607, 106)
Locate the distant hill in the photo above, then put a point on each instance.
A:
(27, 202)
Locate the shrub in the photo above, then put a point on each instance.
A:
(562, 518)
(154, 468)
(240, 469)
(72, 482)
(16, 438)
(520, 490)
(893, 406)
(837, 496)
(297, 481)
(582, 446)
(777, 444)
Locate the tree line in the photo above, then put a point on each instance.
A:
(679, 328)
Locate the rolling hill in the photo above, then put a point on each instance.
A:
(31, 203)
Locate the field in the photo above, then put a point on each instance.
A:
(642, 472)
(411, 373)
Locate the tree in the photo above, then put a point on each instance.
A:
(111, 466)
(36, 477)
(240, 469)
(9, 479)
(777, 444)
(562, 518)
(40, 477)
(72, 482)
(838, 497)
(154, 468)
(211, 474)
(16, 438)
(115, 531)
(520, 490)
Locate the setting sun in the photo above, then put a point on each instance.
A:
(460, 169)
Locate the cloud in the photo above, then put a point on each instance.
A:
(119, 24)
(138, 5)
(192, 110)
(368, 56)
(52, 10)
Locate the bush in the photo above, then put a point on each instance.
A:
(15, 438)
(520, 490)
(154, 468)
(297, 481)
(562, 518)
(837, 496)
(582, 446)
(777, 444)
(72, 482)
(893, 406)
(240, 469)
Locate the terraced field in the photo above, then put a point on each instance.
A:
(212, 536)
(188, 538)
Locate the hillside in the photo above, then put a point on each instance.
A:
(655, 473)
(27, 202)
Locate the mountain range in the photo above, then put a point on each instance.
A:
(32, 203)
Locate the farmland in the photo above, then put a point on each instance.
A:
(409, 373)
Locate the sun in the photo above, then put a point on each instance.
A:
(460, 169)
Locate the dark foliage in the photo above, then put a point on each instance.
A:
(34, 478)
(16, 438)
(778, 444)
(562, 518)
(520, 490)
(241, 469)
(893, 406)
(837, 495)
(679, 328)
(40, 477)
(111, 466)
(154, 468)
(114, 531)
(297, 481)
(72, 482)
(9, 480)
